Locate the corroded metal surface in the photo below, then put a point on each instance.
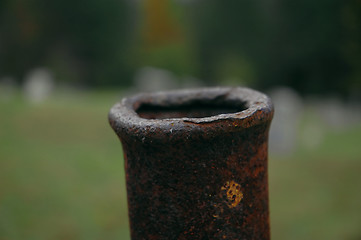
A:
(196, 163)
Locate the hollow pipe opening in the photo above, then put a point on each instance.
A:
(193, 109)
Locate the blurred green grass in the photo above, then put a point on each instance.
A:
(61, 170)
(62, 176)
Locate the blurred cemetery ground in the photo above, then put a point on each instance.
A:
(63, 64)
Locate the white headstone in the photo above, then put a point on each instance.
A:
(38, 85)
(149, 79)
(285, 124)
(337, 114)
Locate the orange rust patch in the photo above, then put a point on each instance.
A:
(233, 193)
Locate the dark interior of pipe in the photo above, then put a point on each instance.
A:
(194, 109)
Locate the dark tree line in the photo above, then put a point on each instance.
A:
(313, 46)
(82, 41)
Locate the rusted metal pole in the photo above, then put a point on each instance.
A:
(196, 163)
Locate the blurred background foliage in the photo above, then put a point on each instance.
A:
(64, 63)
(312, 46)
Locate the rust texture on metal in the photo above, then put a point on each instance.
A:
(196, 163)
